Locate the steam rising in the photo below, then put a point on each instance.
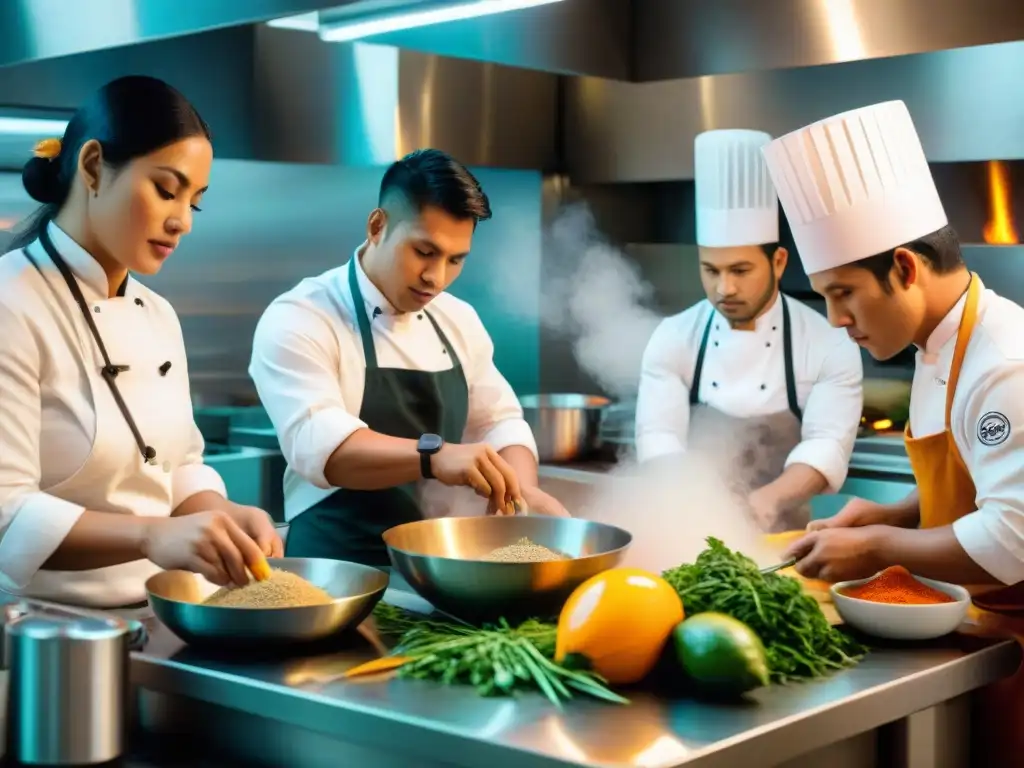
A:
(596, 297)
(670, 508)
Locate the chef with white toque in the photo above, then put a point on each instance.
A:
(874, 237)
(758, 380)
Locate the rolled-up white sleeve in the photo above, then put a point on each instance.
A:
(832, 414)
(495, 415)
(193, 476)
(991, 439)
(32, 523)
(663, 397)
(296, 368)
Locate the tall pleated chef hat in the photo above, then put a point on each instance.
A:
(854, 185)
(736, 203)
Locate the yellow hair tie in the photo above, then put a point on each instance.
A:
(47, 149)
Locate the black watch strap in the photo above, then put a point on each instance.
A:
(428, 445)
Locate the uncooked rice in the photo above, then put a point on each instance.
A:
(524, 551)
(282, 590)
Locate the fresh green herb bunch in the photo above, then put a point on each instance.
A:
(800, 642)
(497, 660)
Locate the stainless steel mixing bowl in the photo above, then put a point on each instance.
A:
(441, 560)
(176, 598)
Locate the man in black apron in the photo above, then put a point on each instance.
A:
(372, 393)
(757, 380)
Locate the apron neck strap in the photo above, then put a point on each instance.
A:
(369, 352)
(444, 339)
(963, 337)
(787, 355)
(699, 367)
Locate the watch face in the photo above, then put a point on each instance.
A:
(430, 443)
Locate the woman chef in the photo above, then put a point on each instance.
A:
(756, 379)
(874, 238)
(376, 378)
(102, 480)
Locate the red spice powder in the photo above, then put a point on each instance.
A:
(896, 585)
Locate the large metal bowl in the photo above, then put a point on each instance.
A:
(176, 598)
(566, 426)
(442, 560)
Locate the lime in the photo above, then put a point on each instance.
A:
(723, 655)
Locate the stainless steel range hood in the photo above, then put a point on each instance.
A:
(963, 101)
(31, 30)
(286, 96)
(639, 40)
(485, 88)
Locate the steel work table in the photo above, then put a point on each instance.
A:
(260, 708)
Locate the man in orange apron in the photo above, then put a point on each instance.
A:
(874, 239)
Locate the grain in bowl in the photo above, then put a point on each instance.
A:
(282, 589)
(524, 551)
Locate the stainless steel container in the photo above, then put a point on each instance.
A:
(177, 600)
(68, 689)
(444, 561)
(566, 426)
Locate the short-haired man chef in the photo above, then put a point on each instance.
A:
(755, 379)
(874, 238)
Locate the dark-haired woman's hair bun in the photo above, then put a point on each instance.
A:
(41, 177)
(130, 117)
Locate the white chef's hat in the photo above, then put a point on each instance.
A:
(736, 203)
(854, 185)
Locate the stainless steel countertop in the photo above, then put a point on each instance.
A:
(426, 722)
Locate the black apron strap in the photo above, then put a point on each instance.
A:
(369, 351)
(787, 354)
(699, 367)
(444, 339)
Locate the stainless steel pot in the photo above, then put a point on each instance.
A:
(566, 426)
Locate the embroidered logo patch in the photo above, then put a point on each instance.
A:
(993, 428)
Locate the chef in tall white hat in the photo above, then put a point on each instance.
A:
(874, 238)
(756, 379)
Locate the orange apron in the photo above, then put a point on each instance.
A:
(947, 493)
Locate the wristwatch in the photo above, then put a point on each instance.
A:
(427, 446)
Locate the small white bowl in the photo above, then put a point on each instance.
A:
(903, 622)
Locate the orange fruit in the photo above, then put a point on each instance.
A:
(619, 620)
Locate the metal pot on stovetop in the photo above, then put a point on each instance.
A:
(566, 425)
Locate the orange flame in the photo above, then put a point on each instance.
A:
(999, 229)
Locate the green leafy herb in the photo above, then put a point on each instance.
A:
(800, 642)
(497, 660)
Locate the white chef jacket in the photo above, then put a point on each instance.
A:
(744, 376)
(991, 387)
(308, 367)
(64, 445)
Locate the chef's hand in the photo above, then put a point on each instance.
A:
(764, 507)
(858, 513)
(838, 554)
(208, 543)
(540, 503)
(260, 527)
(478, 466)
